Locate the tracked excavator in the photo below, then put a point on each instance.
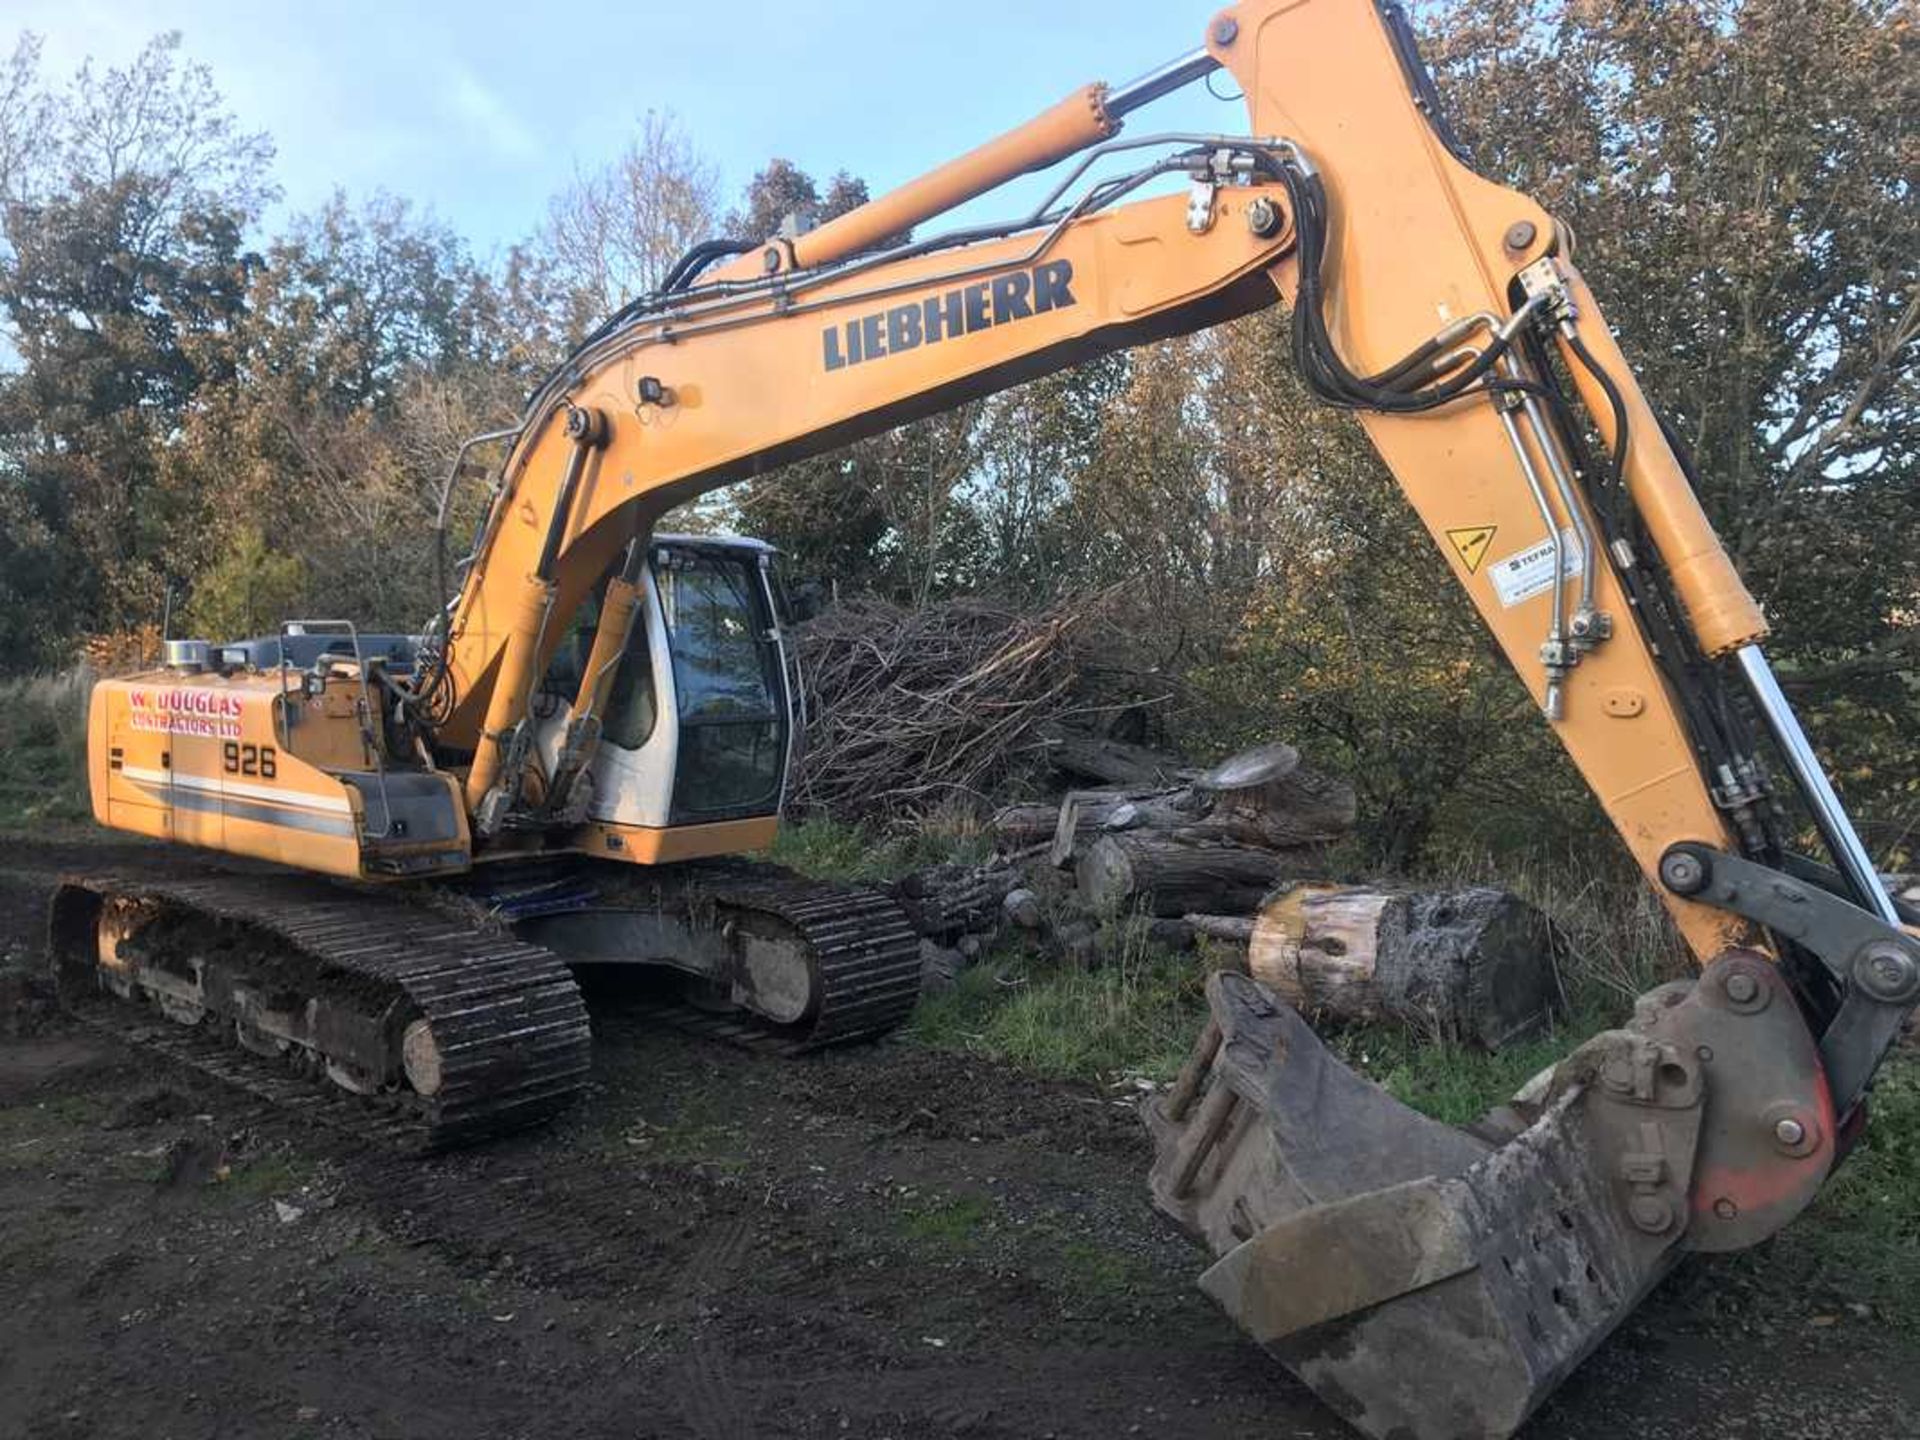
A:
(601, 716)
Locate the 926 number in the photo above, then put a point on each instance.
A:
(238, 759)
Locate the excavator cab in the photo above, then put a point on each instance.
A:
(702, 719)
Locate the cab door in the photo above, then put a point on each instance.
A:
(730, 689)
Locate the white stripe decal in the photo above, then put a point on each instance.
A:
(337, 805)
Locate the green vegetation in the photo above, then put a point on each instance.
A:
(1139, 1017)
(264, 1177)
(953, 1223)
(1454, 1083)
(1136, 1014)
(828, 849)
(248, 589)
(1860, 1242)
(43, 750)
(1052, 1247)
(703, 1133)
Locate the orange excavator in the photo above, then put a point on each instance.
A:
(601, 716)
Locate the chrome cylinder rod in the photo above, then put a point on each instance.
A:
(1849, 853)
(1161, 80)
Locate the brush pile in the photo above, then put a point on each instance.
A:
(909, 709)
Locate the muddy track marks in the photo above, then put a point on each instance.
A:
(710, 1399)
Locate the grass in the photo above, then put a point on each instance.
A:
(827, 849)
(1862, 1236)
(264, 1177)
(1095, 1272)
(1136, 1014)
(1049, 1246)
(43, 749)
(953, 1224)
(701, 1134)
(1453, 1083)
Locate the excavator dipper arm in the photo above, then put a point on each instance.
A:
(1428, 1282)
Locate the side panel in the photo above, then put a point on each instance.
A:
(112, 744)
(651, 845)
(195, 758)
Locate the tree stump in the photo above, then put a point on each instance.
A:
(1474, 964)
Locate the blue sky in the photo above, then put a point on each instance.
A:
(480, 111)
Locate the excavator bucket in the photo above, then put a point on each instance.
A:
(1431, 1283)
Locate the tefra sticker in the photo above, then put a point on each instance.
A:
(1529, 573)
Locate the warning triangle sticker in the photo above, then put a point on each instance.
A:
(1470, 542)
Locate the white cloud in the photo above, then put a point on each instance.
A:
(468, 99)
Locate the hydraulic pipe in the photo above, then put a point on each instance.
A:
(588, 431)
(1723, 613)
(1843, 841)
(1086, 117)
(520, 657)
(1080, 120)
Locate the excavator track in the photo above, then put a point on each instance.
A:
(862, 953)
(505, 1039)
(865, 958)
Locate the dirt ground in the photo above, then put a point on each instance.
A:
(879, 1242)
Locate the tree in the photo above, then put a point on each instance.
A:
(613, 233)
(1741, 177)
(369, 339)
(248, 590)
(783, 192)
(122, 271)
(1033, 446)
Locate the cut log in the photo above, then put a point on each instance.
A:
(1085, 814)
(1018, 826)
(1265, 796)
(1237, 928)
(1115, 762)
(1473, 964)
(944, 902)
(1163, 876)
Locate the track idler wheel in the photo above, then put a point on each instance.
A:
(1432, 1284)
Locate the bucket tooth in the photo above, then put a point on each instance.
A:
(1428, 1284)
